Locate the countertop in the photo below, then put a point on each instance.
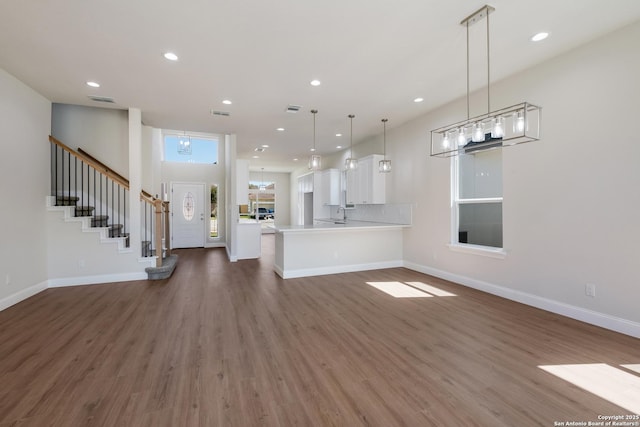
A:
(329, 225)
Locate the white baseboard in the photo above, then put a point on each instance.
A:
(22, 295)
(606, 321)
(320, 271)
(93, 280)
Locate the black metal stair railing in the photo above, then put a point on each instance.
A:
(95, 191)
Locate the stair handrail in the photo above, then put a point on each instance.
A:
(100, 167)
(104, 167)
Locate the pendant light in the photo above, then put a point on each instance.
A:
(262, 187)
(184, 144)
(351, 163)
(384, 165)
(315, 160)
(508, 126)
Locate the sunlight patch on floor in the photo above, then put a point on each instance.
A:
(399, 290)
(610, 383)
(634, 368)
(431, 289)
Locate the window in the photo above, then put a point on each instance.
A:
(477, 198)
(213, 224)
(262, 202)
(190, 149)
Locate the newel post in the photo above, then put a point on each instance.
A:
(157, 203)
(167, 234)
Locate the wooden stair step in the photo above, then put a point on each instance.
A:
(66, 200)
(115, 230)
(100, 221)
(84, 210)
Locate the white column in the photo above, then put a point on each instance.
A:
(135, 177)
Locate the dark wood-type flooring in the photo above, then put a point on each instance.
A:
(232, 344)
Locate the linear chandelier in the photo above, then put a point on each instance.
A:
(508, 126)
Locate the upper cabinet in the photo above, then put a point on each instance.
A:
(365, 185)
(329, 187)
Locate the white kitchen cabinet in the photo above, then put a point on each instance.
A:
(329, 187)
(365, 185)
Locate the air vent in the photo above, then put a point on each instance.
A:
(102, 99)
(259, 149)
(220, 113)
(293, 108)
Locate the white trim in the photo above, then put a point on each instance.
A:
(94, 280)
(602, 320)
(22, 295)
(478, 250)
(320, 271)
(231, 258)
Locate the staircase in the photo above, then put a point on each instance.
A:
(89, 192)
(97, 221)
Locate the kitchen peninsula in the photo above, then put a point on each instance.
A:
(330, 247)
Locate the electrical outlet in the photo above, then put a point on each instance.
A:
(590, 290)
(81, 263)
(7, 279)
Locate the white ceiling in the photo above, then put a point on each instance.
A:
(372, 56)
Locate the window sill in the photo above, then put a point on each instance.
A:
(487, 251)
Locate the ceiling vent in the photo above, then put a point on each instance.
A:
(101, 99)
(293, 108)
(259, 149)
(220, 113)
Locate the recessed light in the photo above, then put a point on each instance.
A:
(171, 56)
(338, 146)
(418, 100)
(256, 157)
(539, 36)
(312, 149)
(295, 160)
(227, 102)
(265, 145)
(93, 84)
(315, 82)
(338, 134)
(280, 129)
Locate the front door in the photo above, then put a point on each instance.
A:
(187, 215)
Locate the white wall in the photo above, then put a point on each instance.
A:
(102, 132)
(25, 120)
(570, 200)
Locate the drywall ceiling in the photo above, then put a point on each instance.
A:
(373, 58)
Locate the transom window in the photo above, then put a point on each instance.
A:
(190, 149)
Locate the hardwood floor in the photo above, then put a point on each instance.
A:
(232, 344)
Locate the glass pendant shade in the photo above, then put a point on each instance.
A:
(351, 163)
(497, 127)
(478, 133)
(184, 145)
(462, 139)
(315, 162)
(384, 166)
(519, 123)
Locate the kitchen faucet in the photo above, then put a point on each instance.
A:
(344, 212)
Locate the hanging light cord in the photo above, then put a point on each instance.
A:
(314, 129)
(351, 116)
(488, 68)
(384, 139)
(468, 113)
